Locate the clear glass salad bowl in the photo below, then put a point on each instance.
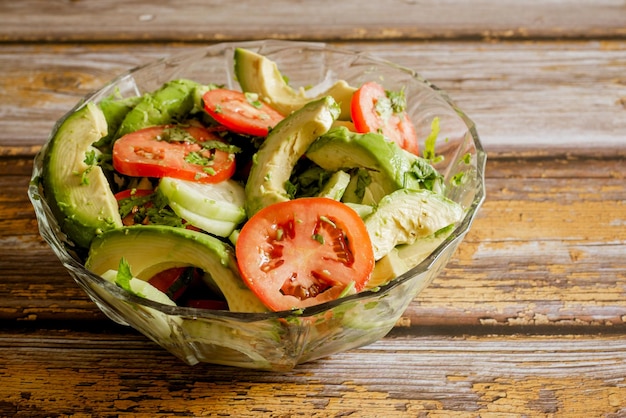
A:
(281, 340)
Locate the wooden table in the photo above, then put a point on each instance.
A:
(528, 319)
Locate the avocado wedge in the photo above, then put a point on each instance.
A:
(258, 74)
(283, 147)
(384, 162)
(75, 186)
(170, 103)
(407, 215)
(150, 249)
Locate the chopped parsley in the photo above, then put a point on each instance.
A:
(394, 102)
(253, 99)
(197, 158)
(124, 276)
(318, 237)
(176, 134)
(148, 209)
(91, 160)
(429, 146)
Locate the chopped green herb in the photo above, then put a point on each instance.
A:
(124, 275)
(397, 100)
(195, 157)
(392, 103)
(176, 134)
(458, 178)
(429, 146)
(318, 237)
(220, 146)
(91, 159)
(253, 99)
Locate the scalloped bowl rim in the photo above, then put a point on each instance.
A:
(42, 210)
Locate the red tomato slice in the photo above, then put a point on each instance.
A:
(304, 252)
(128, 193)
(396, 127)
(173, 281)
(145, 153)
(232, 109)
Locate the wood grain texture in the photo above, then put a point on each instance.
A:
(216, 20)
(434, 376)
(550, 96)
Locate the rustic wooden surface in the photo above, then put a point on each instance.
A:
(529, 317)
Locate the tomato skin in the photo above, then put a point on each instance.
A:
(232, 109)
(129, 193)
(172, 282)
(143, 154)
(304, 252)
(397, 127)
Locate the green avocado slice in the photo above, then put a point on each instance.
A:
(258, 74)
(407, 215)
(150, 249)
(283, 147)
(74, 185)
(172, 102)
(384, 161)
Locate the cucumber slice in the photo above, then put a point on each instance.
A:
(222, 201)
(213, 226)
(141, 288)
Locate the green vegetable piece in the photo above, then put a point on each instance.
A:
(260, 75)
(407, 215)
(389, 167)
(386, 163)
(336, 186)
(74, 184)
(150, 249)
(172, 102)
(283, 147)
(115, 110)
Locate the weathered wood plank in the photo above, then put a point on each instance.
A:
(522, 96)
(107, 375)
(41, 20)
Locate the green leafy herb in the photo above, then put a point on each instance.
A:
(307, 181)
(220, 146)
(397, 100)
(363, 179)
(425, 174)
(429, 146)
(91, 160)
(124, 276)
(291, 189)
(394, 102)
(176, 134)
(195, 157)
(458, 178)
(151, 209)
(253, 99)
(318, 237)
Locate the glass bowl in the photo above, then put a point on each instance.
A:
(281, 340)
